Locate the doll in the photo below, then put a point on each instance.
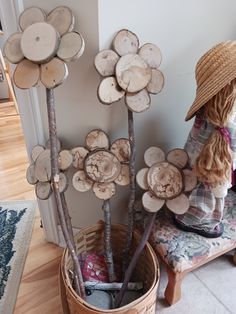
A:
(211, 143)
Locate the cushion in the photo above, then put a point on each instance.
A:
(183, 250)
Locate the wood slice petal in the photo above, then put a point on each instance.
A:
(71, 47)
(65, 159)
(43, 166)
(141, 178)
(123, 178)
(48, 146)
(36, 151)
(190, 180)
(178, 205)
(26, 74)
(96, 139)
(151, 54)
(178, 157)
(31, 16)
(121, 149)
(102, 166)
(39, 42)
(151, 203)
(105, 62)
(62, 19)
(125, 42)
(132, 73)
(109, 91)
(139, 101)
(79, 153)
(12, 48)
(153, 155)
(104, 191)
(63, 182)
(30, 175)
(43, 190)
(156, 84)
(53, 73)
(81, 182)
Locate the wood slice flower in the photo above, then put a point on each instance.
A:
(129, 71)
(101, 165)
(39, 171)
(166, 180)
(42, 48)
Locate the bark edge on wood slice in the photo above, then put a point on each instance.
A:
(121, 149)
(156, 84)
(96, 139)
(141, 178)
(190, 180)
(26, 74)
(12, 48)
(151, 54)
(71, 46)
(138, 102)
(43, 166)
(81, 182)
(125, 42)
(30, 175)
(62, 19)
(151, 203)
(53, 73)
(153, 155)
(123, 178)
(132, 73)
(65, 159)
(79, 153)
(31, 16)
(63, 182)
(105, 62)
(179, 205)
(104, 191)
(178, 157)
(43, 190)
(109, 91)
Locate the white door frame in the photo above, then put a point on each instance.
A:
(31, 120)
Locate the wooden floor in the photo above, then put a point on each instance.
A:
(39, 286)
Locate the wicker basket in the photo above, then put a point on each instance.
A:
(91, 240)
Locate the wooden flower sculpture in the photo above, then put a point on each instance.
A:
(166, 180)
(129, 71)
(43, 46)
(101, 168)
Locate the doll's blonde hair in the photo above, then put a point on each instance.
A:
(214, 163)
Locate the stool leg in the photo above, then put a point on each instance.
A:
(234, 258)
(173, 289)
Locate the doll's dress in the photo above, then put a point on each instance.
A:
(206, 211)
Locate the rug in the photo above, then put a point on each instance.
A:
(16, 224)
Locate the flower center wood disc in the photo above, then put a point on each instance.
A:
(165, 180)
(102, 166)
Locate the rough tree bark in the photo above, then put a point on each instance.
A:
(55, 178)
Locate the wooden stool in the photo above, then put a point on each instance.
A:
(182, 252)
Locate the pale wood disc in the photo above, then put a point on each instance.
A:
(36, 151)
(39, 42)
(178, 157)
(104, 191)
(102, 166)
(151, 203)
(63, 182)
(105, 62)
(156, 84)
(165, 180)
(81, 182)
(12, 48)
(178, 205)
(30, 16)
(151, 54)
(96, 139)
(43, 166)
(62, 19)
(153, 155)
(190, 180)
(71, 47)
(26, 74)
(139, 101)
(132, 73)
(65, 159)
(123, 178)
(53, 73)
(43, 190)
(125, 42)
(109, 91)
(141, 178)
(30, 175)
(121, 149)
(47, 145)
(79, 153)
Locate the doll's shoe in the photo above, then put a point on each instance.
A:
(214, 233)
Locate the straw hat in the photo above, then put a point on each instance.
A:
(214, 70)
